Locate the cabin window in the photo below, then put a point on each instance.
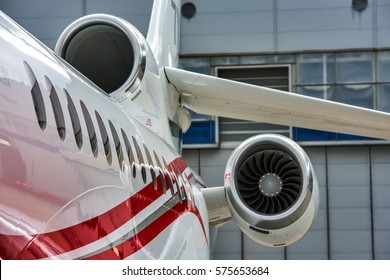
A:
(129, 150)
(78, 135)
(37, 98)
(134, 170)
(165, 162)
(148, 157)
(57, 110)
(143, 172)
(170, 182)
(138, 150)
(162, 178)
(157, 159)
(90, 128)
(178, 185)
(118, 146)
(130, 153)
(154, 177)
(105, 139)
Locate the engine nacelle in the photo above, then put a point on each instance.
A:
(106, 49)
(271, 189)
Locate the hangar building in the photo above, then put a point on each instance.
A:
(337, 50)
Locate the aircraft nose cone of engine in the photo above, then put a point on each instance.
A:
(270, 184)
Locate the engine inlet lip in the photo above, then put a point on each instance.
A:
(291, 214)
(137, 41)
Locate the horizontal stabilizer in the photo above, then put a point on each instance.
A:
(220, 97)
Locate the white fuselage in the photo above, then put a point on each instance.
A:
(80, 177)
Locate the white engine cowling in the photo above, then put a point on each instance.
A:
(108, 50)
(271, 189)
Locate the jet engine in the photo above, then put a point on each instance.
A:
(106, 49)
(271, 190)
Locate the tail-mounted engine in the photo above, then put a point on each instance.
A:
(107, 50)
(271, 189)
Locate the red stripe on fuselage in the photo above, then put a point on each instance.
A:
(150, 232)
(59, 242)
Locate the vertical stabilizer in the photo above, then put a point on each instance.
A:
(164, 32)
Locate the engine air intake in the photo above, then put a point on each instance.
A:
(271, 189)
(269, 181)
(108, 50)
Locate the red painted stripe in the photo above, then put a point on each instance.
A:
(76, 236)
(79, 235)
(150, 232)
(11, 245)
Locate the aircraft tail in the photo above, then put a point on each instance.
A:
(164, 32)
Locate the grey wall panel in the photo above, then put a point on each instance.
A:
(383, 23)
(254, 251)
(213, 163)
(381, 201)
(321, 19)
(134, 11)
(382, 243)
(44, 19)
(310, 4)
(223, 6)
(228, 23)
(350, 245)
(219, 26)
(280, 25)
(349, 203)
(124, 7)
(325, 40)
(318, 159)
(312, 246)
(41, 8)
(228, 245)
(314, 243)
(226, 43)
(347, 154)
(353, 196)
(228, 26)
(192, 159)
(46, 28)
(354, 219)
